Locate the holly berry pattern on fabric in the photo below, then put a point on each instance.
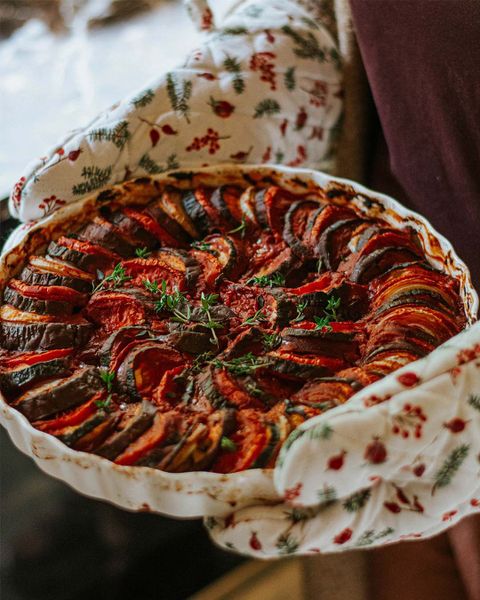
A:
(255, 91)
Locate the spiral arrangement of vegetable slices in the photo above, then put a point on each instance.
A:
(198, 330)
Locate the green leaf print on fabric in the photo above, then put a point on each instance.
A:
(154, 168)
(118, 135)
(452, 463)
(266, 107)
(179, 93)
(95, 179)
(143, 99)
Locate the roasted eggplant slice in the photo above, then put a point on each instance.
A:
(55, 396)
(296, 223)
(375, 264)
(301, 367)
(134, 421)
(52, 300)
(142, 368)
(19, 373)
(22, 332)
(134, 230)
(112, 348)
(105, 234)
(246, 443)
(226, 200)
(89, 434)
(165, 427)
(82, 254)
(197, 213)
(45, 271)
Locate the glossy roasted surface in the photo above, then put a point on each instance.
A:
(197, 332)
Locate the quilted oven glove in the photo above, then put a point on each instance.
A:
(399, 461)
(264, 87)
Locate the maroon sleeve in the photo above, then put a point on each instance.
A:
(422, 60)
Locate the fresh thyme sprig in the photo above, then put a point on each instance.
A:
(206, 303)
(301, 306)
(256, 318)
(107, 377)
(241, 228)
(242, 365)
(275, 280)
(117, 278)
(271, 340)
(142, 252)
(330, 314)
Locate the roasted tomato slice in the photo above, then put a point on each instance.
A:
(143, 366)
(247, 442)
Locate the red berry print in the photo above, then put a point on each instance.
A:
(60, 151)
(409, 422)
(51, 203)
(456, 425)
(74, 154)
(293, 492)
(408, 379)
(263, 62)
(301, 119)
(392, 507)
(221, 108)
(169, 130)
(209, 140)
(335, 463)
(154, 137)
(318, 93)
(375, 452)
(343, 536)
(17, 191)
(419, 470)
(283, 127)
(475, 502)
(255, 542)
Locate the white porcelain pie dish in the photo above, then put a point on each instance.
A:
(194, 494)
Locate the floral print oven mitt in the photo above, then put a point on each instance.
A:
(264, 87)
(400, 460)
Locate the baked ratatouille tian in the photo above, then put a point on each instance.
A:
(196, 331)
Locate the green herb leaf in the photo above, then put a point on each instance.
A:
(142, 252)
(256, 318)
(271, 340)
(117, 278)
(301, 306)
(275, 280)
(227, 444)
(108, 377)
(242, 365)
